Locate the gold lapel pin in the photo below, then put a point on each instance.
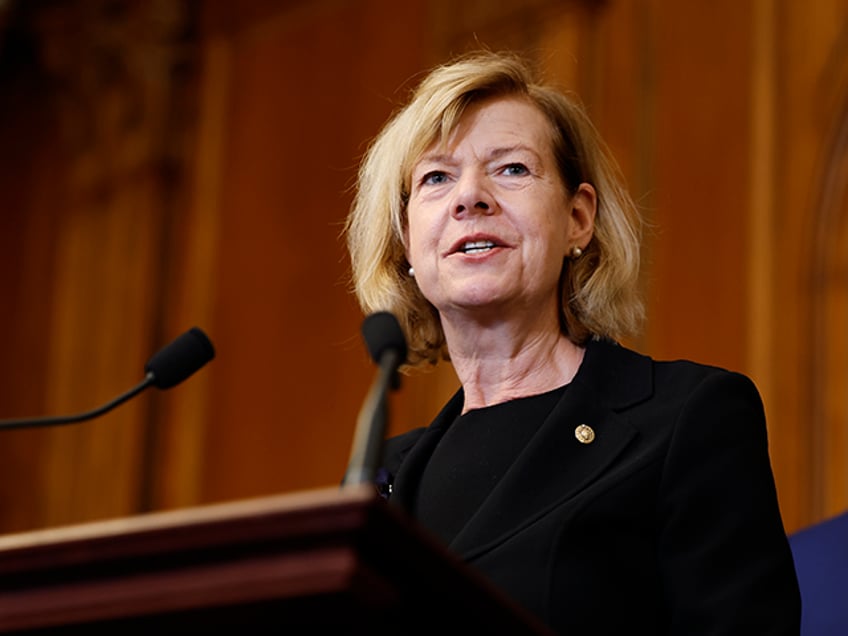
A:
(584, 434)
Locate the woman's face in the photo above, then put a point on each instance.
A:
(489, 218)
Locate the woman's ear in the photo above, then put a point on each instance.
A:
(584, 206)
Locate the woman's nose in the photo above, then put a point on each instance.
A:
(473, 196)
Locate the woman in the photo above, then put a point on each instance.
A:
(606, 492)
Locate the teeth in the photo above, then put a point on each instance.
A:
(473, 247)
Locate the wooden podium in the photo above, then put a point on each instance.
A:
(314, 562)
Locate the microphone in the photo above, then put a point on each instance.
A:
(168, 367)
(386, 343)
(179, 359)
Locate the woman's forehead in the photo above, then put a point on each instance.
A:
(509, 121)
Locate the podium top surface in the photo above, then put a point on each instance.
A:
(338, 558)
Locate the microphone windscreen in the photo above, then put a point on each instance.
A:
(176, 361)
(382, 333)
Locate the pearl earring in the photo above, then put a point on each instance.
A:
(411, 271)
(576, 252)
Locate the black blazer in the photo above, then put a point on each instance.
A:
(667, 522)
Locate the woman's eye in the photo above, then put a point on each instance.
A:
(433, 177)
(515, 169)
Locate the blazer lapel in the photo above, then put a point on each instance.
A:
(409, 474)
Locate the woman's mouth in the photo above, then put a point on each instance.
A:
(476, 247)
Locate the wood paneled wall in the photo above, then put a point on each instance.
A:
(169, 164)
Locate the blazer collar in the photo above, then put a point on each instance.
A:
(555, 465)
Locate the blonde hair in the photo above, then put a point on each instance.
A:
(599, 290)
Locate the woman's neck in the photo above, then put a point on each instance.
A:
(503, 362)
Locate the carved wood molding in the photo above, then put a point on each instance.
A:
(112, 67)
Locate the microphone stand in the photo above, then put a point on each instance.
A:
(55, 420)
(372, 422)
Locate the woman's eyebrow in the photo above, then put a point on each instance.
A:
(493, 153)
(496, 153)
(436, 158)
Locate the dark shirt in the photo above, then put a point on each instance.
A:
(456, 481)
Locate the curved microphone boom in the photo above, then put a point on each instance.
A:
(168, 367)
(387, 346)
